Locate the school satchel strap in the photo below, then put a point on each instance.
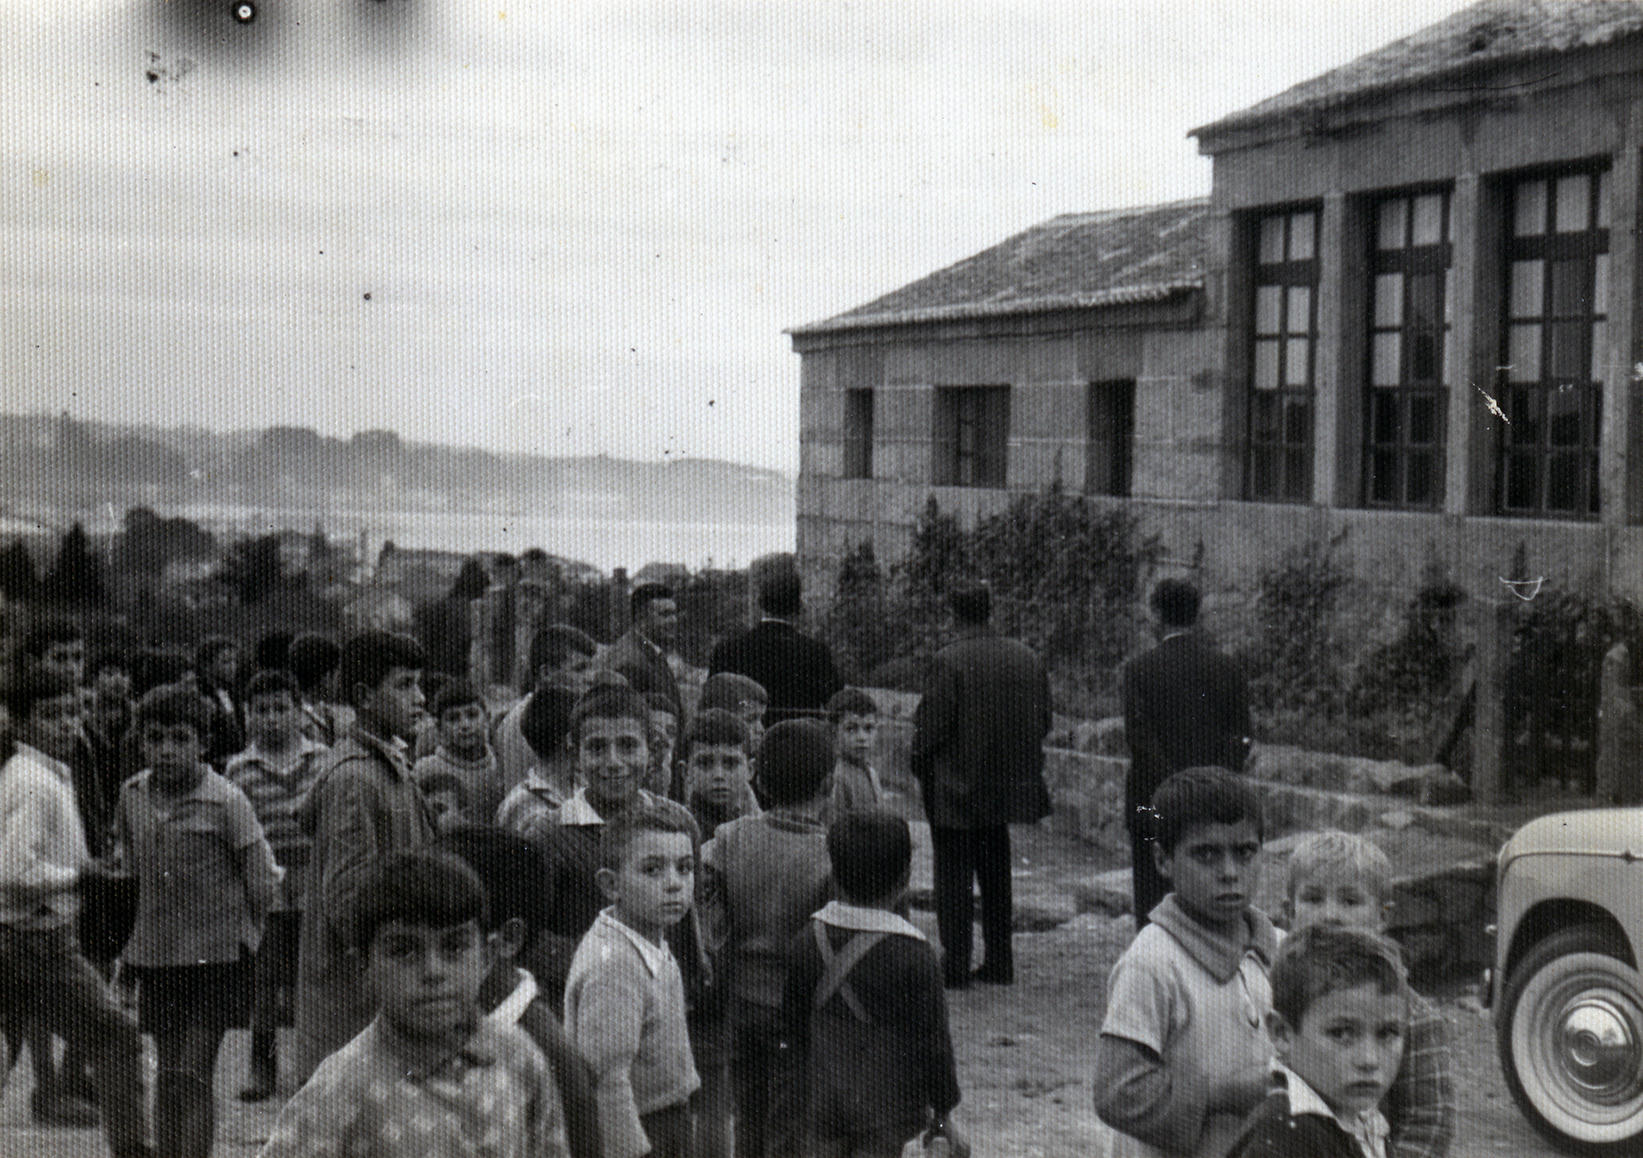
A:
(836, 968)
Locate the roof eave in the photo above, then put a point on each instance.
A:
(971, 311)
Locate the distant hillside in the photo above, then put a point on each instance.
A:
(66, 464)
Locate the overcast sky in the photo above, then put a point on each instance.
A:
(563, 226)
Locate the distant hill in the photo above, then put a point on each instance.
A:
(61, 463)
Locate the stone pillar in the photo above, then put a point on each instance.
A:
(1329, 383)
(1619, 732)
(1466, 437)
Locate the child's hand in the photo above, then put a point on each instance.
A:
(958, 1146)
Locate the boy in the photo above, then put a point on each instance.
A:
(610, 730)
(363, 807)
(532, 806)
(464, 750)
(715, 763)
(217, 671)
(856, 787)
(275, 772)
(429, 1075)
(313, 659)
(625, 998)
(1182, 1056)
(763, 876)
(1337, 878)
(43, 860)
(509, 867)
(1340, 1008)
(867, 1063)
(206, 880)
(742, 697)
(560, 655)
(664, 737)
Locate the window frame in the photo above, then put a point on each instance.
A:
(970, 436)
(1109, 425)
(1282, 399)
(860, 404)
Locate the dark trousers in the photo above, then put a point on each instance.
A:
(963, 856)
(73, 1002)
(669, 1131)
(1147, 885)
(755, 1058)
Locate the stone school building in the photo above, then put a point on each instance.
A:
(1406, 319)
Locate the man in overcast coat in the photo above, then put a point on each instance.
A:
(978, 753)
(795, 670)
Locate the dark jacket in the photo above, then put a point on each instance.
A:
(644, 667)
(1185, 706)
(1273, 1132)
(796, 670)
(978, 738)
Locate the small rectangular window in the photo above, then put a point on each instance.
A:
(1111, 438)
(858, 433)
(971, 436)
(1283, 330)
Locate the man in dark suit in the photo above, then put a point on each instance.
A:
(1185, 706)
(978, 753)
(795, 670)
(640, 655)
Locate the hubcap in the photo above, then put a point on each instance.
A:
(1598, 1047)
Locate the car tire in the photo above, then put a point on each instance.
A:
(1570, 1036)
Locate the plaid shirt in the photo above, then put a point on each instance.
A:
(1420, 1106)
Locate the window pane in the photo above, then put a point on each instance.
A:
(1272, 239)
(1603, 200)
(1528, 286)
(1523, 354)
(1300, 310)
(1268, 303)
(1563, 416)
(1523, 412)
(1428, 220)
(1421, 479)
(1296, 483)
(1423, 420)
(1600, 351)
(1297, 421)
(1600, 284)
(1384, 365)
(1571, 287)
(1389, 218)
(1303, 228)
(1568, 359)
(1384, 421)
(1263, 481)
(1295, 362)
(1563, 482)
(1574, 203)
(1520, 480)
(1266, 365)
(1264, 420)
(1389, 299)
(1529, 204)
(1383, 476)
(1425, 357)
(1423, 299)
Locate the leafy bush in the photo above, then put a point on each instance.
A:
(1294, 664)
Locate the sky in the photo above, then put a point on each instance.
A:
(563, 226)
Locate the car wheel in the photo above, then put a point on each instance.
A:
(1570, 1036)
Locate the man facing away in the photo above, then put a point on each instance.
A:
(978, 753)
(1185, 706)
(795, 670)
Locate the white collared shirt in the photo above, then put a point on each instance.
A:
(1367, 1128)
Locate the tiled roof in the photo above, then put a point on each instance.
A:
(1076, 261)
(1486, 34)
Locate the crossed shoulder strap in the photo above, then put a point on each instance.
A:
(836, 967)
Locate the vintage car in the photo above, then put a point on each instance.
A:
(1566, 991)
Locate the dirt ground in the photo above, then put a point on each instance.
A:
(1025, 1052)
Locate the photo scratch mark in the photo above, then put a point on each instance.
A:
(1524, 589)
(1494, 407)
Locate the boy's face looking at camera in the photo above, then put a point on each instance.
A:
(427, 979)
(612, 756)
(857, 734)
(274, 720)
(462, 730)
(53, 725)
(716, 772)
(652, 890)
(1333, 896)
(1213, 871)
(65, 659)
(1348, 1046)
(173, 752)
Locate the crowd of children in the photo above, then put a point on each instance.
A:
(601, 925)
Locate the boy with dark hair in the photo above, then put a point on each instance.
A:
(625, 998)
(610, 731)
(532, 806)
(108, 719)
(763, 876)
(510, 868)
(640, 656)
(856, 785)
(464, 751)
(364, 806)
(313, 660)
(1182, 1057)
(714, 758)
(867, 1063)
(206, 880)
(429, 1075)
(664, 740)
(741, 696)
(560, 655)
(275, 772)
(217, 672)
(1340, 1012)
(43, 861)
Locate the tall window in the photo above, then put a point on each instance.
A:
(972, 431)
(1285, 339)
(1408, 323)
(858, 434)
(1556, 308)
(1111, 437)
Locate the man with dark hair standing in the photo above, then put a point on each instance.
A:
(640, 655)
(795, 670)
(1185, 706)
(978, 753)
